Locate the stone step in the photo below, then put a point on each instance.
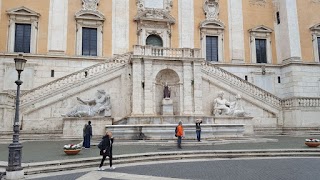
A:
(64, 165)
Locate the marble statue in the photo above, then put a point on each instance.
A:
(92, 107)
(224, 107)
(221, 106)
(166, 91)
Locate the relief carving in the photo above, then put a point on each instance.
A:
(167, 5)
(211, 9)
(90, 5)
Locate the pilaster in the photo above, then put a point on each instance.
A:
(197, 86)
(136, 87)
(148, 89)
(187, 96)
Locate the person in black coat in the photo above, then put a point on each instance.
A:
(106, 150)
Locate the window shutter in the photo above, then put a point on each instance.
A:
(22, 38)
(212, 48)
(89, 41)
(261, 51)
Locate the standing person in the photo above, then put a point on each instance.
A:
(88, 135)
(198, 129)
(180, 134)
(106, 150)
(84, 134)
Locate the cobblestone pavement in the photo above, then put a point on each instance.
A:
(38, 151)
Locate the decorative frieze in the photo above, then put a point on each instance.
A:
(90, 5)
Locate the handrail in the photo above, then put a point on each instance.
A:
(74, 78)
(241, 83)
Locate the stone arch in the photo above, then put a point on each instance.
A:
(172, 78)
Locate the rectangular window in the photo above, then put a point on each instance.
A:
(212, 48)
(261, 50)
(319, 47)
(22, 38)
(89, 41)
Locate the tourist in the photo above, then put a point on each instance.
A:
(198, 129)
(87, 135)
(105, 147)
(84, 134)
(180, 134)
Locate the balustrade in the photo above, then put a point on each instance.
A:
(166, 52)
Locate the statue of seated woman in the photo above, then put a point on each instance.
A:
(92, 107)
(221, 106)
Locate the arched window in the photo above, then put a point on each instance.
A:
(154, 40)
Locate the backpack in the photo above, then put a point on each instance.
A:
(176, 131)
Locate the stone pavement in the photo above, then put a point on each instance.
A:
(51, 150)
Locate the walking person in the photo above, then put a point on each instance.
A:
(87, 135)
(179, 134)
(105, 147)
(198, 129)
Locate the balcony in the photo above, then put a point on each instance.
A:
(166, 52)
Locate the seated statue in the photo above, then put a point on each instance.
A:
(92, 107)
(221, 106)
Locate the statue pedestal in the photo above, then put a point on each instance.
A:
(167, 106)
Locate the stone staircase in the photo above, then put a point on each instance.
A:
(241, 85)
(49, 90)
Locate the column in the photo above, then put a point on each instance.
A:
(136, 87)
(148, 88)
(186, 24)
(58, 26)
(187, 96)
(236, 31)
(197, 84)
(120, 26)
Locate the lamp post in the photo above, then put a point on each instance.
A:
(14, 169)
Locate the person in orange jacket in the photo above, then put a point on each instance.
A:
(180, 134)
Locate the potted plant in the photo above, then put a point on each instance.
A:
(312, 142)
(72, 149)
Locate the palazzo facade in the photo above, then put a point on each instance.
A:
(267, 51)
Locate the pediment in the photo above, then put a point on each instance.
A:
(23, 11)
(156, 15)
(90, 15)
(261, 29)
(212, 24)
(315, 27)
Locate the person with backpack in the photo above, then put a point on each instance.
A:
(105, 147)
(179, 134)
(87, 135)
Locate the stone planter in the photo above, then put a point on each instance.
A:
(72, 152)
(312, 144)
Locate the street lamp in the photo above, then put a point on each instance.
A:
(14, 169)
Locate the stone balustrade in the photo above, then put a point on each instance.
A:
(251, 89)
(166, 52)
(301, 102)
(73, 78)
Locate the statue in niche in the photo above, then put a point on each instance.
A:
(211, 9)
(166, 91)
(224, 107)
(92, 107)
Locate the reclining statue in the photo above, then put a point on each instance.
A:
(222, 106)
(92, 107)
